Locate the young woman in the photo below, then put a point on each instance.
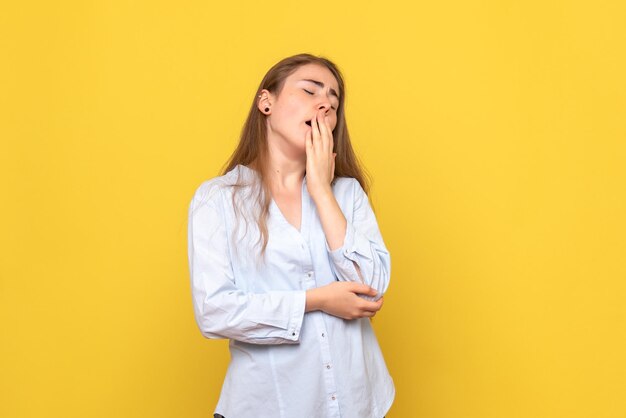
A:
(287, 260)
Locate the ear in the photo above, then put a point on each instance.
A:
(265, 100)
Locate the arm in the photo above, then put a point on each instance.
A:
(355, 247)
(221, 309)
(341, 299)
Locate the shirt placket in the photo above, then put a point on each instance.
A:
(318, 317)
(326, 364)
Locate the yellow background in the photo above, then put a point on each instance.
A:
(495, 132)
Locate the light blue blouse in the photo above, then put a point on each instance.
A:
(285, 362)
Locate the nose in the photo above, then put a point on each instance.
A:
(325, 104)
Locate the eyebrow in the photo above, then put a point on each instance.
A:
(320, 84)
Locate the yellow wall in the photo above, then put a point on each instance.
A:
(494, 131)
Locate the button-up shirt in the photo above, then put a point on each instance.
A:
(285, 362)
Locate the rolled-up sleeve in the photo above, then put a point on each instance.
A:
(221, 309)
(363, 246)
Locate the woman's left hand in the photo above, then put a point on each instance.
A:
(320, 158)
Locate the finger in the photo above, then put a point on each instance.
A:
(324, 133)
(316, 133)
(331, 142)
(363, 289)
(369, 313)
(372, 292)
(371, 306)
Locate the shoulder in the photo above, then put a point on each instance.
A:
(347, 186)
(340, 183)
(347, 189)
(211, 191)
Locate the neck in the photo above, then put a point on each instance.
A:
(286, 171)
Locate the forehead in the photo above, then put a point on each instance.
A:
(314, 72)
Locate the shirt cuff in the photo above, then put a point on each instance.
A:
(297, 315)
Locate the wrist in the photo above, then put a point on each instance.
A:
(321, 194)
(314, 300)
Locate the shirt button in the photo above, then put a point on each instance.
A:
(333, 397)
(293, 333)
(322, 335)
(328, 366)
(309, 274)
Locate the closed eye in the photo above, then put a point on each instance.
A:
(311, 93)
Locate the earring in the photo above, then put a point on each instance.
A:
(267, 109)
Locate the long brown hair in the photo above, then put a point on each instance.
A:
(253, 152)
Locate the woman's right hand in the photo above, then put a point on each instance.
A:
(340, 299)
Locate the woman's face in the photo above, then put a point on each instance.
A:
(308, 90)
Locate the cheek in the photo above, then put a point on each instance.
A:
(286, 109)
(288, 112)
